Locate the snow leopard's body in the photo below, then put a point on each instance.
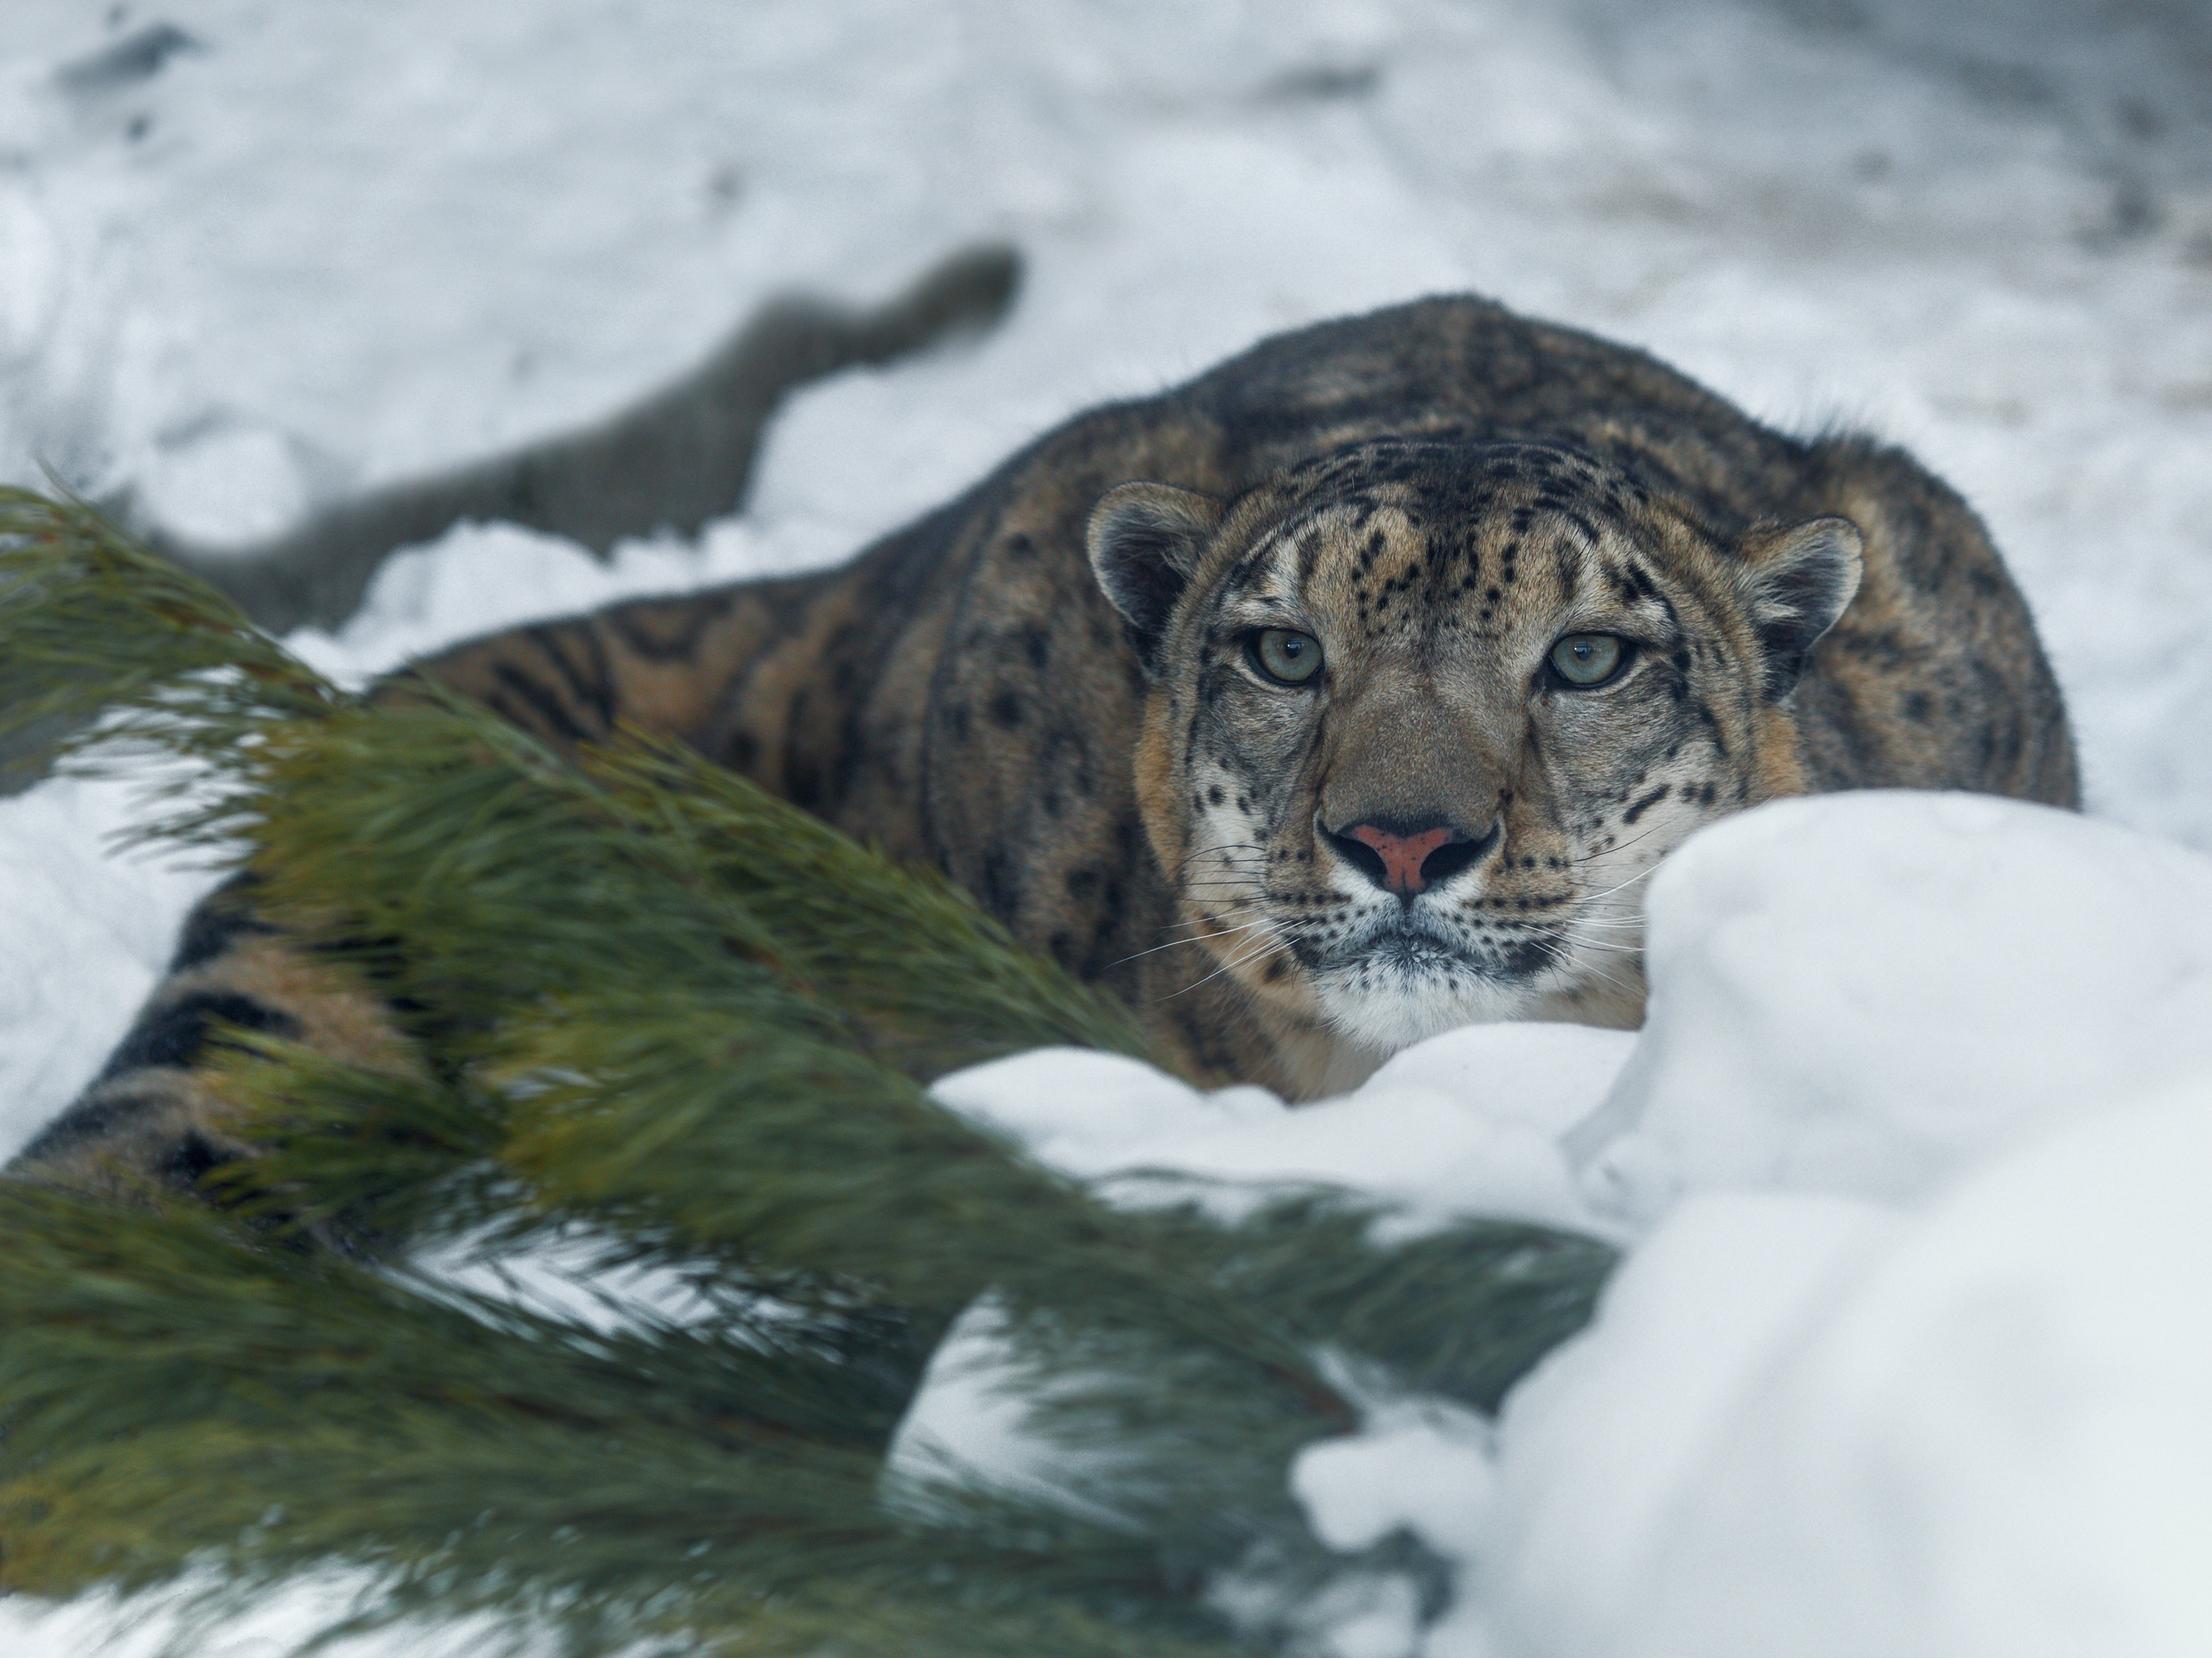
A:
(1288, 877)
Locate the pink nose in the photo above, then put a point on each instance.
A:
(1402, 855)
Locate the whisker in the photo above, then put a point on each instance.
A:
(1592, 968)
(1641, 875)
(1594, 971)
(1600, 944)
(1275, 941)
(1198, 939)
(1193, 856)
(1265, 947)
(1618, 846)
(1184, 926)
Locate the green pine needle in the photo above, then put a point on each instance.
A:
(647, 1018)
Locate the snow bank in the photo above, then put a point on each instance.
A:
(1861, 994)
(1908, 1354)
(1466, 1125)
(1996, 1442)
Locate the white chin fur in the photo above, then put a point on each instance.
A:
(1395, 1008)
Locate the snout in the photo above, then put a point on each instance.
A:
(1406, 859)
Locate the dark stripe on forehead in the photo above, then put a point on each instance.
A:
(1257, 558)
(1453, 492)
(1306, 553)
(1566, 565)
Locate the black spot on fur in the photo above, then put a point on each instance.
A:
(802, 783)
(1525, 956)
(590, 682)
(90, 1120)
(174, 1034)
(193, 1156)
(1001, 884)
(1006, 711)
(665, 630)
(211, 930)
(528, 697)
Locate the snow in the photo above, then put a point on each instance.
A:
(87, 934)
(1994, 1443)
(1987, 970)
(1431, 1151)
(1909, 1352)
(164, 1624)
(1597, 1447)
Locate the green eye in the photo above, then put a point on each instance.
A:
(1279, 654)
(1588, 659)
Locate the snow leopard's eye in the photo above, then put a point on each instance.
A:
(1283, 656)
(1585, 660)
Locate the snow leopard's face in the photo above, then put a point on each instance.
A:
(1425, 715)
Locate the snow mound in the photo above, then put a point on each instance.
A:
(1908, 1354)
(1859, 994)
(1996, 1442)
(1465, 1125)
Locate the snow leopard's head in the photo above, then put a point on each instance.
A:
(1423, 713)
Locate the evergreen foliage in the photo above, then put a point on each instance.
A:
(657, 1020)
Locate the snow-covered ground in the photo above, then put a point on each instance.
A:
(1909, 1356)
(1911, 1353)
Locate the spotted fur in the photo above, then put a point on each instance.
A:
(1436, 494)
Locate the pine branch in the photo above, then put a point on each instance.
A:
(647, 1007)
(91, 624)
(1466, 1311)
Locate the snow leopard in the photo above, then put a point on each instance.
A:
(1348, 692)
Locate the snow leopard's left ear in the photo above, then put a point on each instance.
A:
(1795, 581)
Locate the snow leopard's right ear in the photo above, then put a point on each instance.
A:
(1145, 540)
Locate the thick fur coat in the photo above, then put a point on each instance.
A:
(1345, 693)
